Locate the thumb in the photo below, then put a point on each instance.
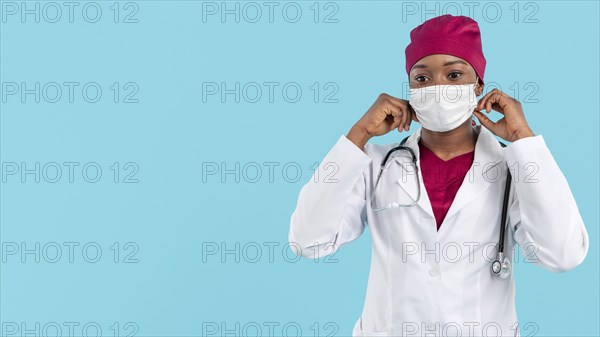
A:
(413, 114)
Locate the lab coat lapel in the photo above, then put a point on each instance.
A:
(488, 153)
(406, 182)
(483, 173)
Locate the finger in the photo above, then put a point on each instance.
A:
(405, 118)
(481, 103)
(500, 102)
(397, 113)
(404, 112)
(503, 101)
(502, 93)
(391, 110)
(397, 122)
(395, 100)
(484, 120)
(413, 114)
(488, 104)
(490, 96)
(493, 99)
(402, 121)
(401, 116)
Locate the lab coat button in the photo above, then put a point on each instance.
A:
(433, 272)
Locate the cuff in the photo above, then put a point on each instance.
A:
(525, 148)
(352, 150)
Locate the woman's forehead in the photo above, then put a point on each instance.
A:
(439, 60)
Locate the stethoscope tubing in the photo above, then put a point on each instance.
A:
(499, 261)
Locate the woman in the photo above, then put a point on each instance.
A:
(435, 226)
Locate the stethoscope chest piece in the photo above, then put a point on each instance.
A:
(501, 266)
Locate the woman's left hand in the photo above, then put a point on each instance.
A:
(513, 126)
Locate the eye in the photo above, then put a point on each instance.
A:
(420, 78)
(454, 75)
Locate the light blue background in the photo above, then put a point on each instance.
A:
(170, 212)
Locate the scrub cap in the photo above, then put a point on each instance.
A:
(447, 34)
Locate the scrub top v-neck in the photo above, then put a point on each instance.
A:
(443, 178)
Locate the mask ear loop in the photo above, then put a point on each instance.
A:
(473, 123)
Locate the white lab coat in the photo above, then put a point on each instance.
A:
(425, 282)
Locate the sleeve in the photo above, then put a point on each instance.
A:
(544, 217)
(331, 207)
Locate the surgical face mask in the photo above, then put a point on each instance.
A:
(443, 107)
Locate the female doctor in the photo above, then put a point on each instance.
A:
(435, 207)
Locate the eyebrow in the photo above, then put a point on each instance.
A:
(449, 63)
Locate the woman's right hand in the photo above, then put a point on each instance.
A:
(386, 114)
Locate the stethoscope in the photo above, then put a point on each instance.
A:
(501, 265)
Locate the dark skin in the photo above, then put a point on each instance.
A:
(389, 113)
(445, 69)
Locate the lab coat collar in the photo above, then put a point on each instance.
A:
(488, 153)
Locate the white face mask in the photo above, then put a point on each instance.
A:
(443, 107)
